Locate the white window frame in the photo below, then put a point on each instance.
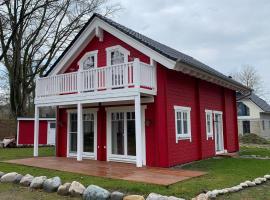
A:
(119, 48)
(85, 56)
(211, 133)
(183, 136)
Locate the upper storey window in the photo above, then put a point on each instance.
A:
(117, 55)
(88, 61)
(242, 109)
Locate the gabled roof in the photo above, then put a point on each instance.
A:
(162, 49)
(258, 101)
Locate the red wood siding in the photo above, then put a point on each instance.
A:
(26, 132)
(61, 133)
(108, 41)
(183, 90)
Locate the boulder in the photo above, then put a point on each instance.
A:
(257, 181)
(63, 190)
(201, 196)
(154, 196)
(9, 177)
(26, 180)
(18, 178)
(93, 192)
(266, 176)
(174, 198)
(2, 174)
(210, 194)
(133, 197)
(37, 182)
(117, 195)
(76, 189)
(244, 185)
(250, 184)
(51, 184)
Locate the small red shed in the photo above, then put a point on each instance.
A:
(25, 131)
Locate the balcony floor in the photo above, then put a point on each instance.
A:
(122, 171)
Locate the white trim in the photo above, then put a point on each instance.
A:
(89, 33)
(40, 119)
(18, 132)
(36, 131)
(86, 55)
(121, 158)
(211, 133)
(221, 132)
(93, 97)
(187, 136)
(119, 48)
(85, 155)
(48, 131)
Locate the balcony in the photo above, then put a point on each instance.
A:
(131, 76)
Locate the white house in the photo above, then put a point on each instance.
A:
(253, 116)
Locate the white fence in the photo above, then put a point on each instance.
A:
(121, 76)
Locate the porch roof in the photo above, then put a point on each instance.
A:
(122, 171)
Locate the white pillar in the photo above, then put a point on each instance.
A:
(137, 73)
(79, 132)
(138, 128)
(36, 131)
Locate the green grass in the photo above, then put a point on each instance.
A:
(258, 151)
(15, 153)
(16, 192)
(222, 172)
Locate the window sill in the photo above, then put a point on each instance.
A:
(183, 138)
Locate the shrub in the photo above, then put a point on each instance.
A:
(253, 139)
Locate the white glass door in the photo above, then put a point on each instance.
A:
(219, 143)
(89, 134)
(122, 136)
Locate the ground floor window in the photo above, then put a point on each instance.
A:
(182, 123)
(246, 127)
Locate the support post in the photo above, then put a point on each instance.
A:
(36, 131)
(138, 128)
(79, 132)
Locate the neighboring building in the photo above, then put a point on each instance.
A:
(25, 131)
(121, 96)
(253, 116)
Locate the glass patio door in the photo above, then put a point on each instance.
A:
(88, 134)
(122, 136)
(218, 132)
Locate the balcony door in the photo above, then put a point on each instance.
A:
(89, 134)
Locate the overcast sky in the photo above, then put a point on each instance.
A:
(223, 34)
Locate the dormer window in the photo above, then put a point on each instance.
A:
(88, 61)
(117, 55)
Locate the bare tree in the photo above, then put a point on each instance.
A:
(33, 33)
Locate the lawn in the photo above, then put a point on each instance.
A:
(253, 150)
(222, 172)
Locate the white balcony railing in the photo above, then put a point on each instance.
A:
(121, 76)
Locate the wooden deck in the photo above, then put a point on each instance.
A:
(123, 171)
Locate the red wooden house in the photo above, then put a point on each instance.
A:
(121, 96)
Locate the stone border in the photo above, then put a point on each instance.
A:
(214, 193)
(74, 189)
